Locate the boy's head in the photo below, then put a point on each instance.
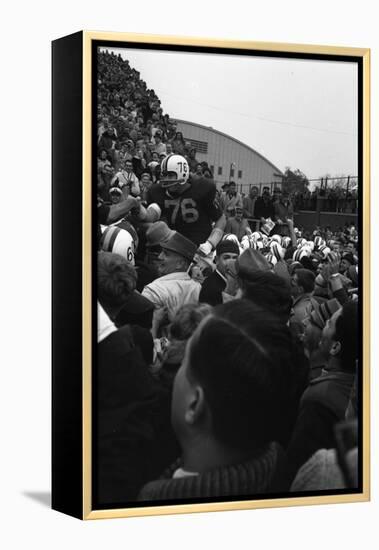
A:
(233, 385)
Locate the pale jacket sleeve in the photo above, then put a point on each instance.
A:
(135, 187)
(153, 296)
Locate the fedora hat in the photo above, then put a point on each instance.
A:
(180, 245)
(158, 233)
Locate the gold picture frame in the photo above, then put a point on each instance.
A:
(82, 44)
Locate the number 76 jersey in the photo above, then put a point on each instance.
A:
(190, 213)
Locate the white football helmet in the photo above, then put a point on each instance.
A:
(174, 164)
(319, 241)
(271, 258)
(324, 251)
(276, 238)
(257, 235)
(277, 250)
(119, 241)
(300, 253)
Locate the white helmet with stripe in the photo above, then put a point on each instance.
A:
(277, 250)
(174, 170)
(319, 241)
(301, 253)
(301, 241)
(247, 243)
(324, 251)
(257, 235)
(119, 241)
(276, 238)
(271, 258)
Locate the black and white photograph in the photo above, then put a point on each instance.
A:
(228, 273)
(191, 194)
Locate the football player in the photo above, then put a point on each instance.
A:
(188, 205)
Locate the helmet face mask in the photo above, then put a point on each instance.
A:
(174, 171)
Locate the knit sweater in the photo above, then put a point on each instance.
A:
(249, 478)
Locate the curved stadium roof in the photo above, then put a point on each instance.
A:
(211, 129)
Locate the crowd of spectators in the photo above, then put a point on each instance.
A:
(133, 132)
(219, 374)
(338, 199)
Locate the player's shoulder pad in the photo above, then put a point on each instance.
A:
(155, 193)
(202, 186)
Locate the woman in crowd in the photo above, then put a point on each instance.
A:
(178, 144)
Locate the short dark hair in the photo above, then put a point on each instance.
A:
(307, 264)
(306, 279)
(348, 256)
(116, 279)
(347, 335)
(243, 360)
(269, 291)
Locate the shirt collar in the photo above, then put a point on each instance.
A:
(177, 275)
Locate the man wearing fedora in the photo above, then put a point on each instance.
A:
(174, 287)
(156, 234)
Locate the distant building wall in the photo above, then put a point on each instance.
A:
(229, 158)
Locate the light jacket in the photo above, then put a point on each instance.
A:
(172, 291)
(231, 201)
(128, 182)
(302, 307)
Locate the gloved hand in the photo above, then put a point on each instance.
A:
(205, 248)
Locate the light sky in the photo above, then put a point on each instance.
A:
(297, 113)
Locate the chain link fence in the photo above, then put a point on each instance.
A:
(337, 194)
